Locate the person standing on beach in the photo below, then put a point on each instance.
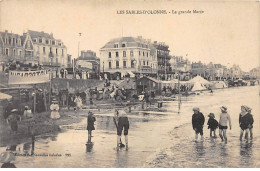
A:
(224, 118)
(244, 121)
(90, 125)
(198, 120)
(212, 124)
(123, 123)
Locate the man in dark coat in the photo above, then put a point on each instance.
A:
(197, 123)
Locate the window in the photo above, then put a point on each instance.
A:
(109, 65)
(6, 41)
(109, 54)
(117, 64)
(147, 63)
(47, 41)
(132, 63)
(139, 53)
(124, 64)
(28, 44)
(53, 42)
(147, 54)
(50, 50)
(62, 52)
(14, 52)
(124, 53)
(59, 43)
(123, 45)
(131, 53)
(116, 54)
(57, 60)
(143, 53)
(143, 62)
(7, 52)
(20, 53)
(115, 45)
(43, 49)
(10, 41)
(14, 42)
(40, 40)
(56, 51)
(34, 40)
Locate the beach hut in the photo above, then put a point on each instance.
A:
(150, 83)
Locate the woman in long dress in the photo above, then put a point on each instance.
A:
(55, 110)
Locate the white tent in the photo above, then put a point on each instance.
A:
(219, 84)
(200, 80)
(4, 96)
(198, 87)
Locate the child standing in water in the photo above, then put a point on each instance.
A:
(212, 124)
(90, 125)
(224, 118)
(197, 123)
(245, 121)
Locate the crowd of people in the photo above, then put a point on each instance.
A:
(246, 121)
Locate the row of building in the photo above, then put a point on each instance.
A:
(33, 47)
(121, 55)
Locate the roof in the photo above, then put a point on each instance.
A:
(36, 34)
(150, 78)
(130, 41)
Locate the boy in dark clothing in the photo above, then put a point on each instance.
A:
(197, 123)
(123, 123)
(90, 125)
(212, 124)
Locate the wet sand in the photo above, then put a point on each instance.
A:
(156, 139)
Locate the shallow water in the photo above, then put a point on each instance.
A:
(156, 139)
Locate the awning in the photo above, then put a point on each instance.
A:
(5, 96)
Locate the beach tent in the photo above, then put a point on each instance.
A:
(219, 84)
(5, 96)
(198, 87)
(200, 80)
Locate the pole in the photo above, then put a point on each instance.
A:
(165, 68)
(45, 103)
(34, 99)
(179, 96)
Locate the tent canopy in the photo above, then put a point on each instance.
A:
(4, 96)
(199, 79)
(198, 87)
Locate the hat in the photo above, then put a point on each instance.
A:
(7, 156)
(90, 113)
(14, 110)
(211, 115)
(246, 108)
(196, 109)
(223, 108)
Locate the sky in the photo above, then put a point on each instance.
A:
(227, 32)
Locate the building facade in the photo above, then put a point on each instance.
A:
(255, 73)
(33, 47)
(198, 68)
(11, 47)
(128, 54)
(88, 61)
(163, 60)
